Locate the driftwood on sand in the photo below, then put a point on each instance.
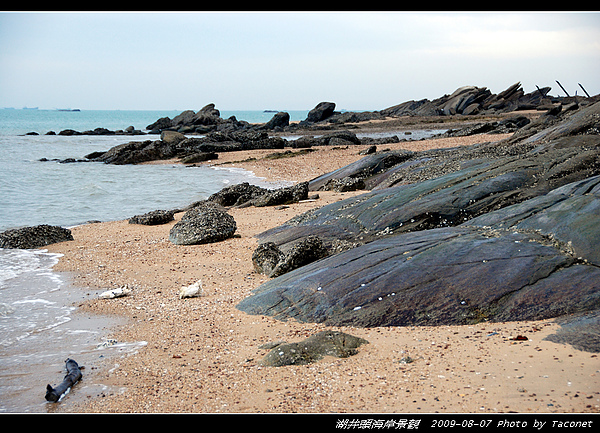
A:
(71, 378)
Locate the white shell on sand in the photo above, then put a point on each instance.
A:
(115, 293)
(191, 291)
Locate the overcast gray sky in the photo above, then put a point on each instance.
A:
(288, 60)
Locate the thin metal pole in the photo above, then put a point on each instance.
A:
(562, 88)
(588, 95)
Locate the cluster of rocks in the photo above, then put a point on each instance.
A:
(470, 100)
(130, 130)
(199, 136)
(190, 150)
(207, 221)
(174, 144)
(491, 232)
(466, 100)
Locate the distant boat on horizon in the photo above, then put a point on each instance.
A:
(68, 109)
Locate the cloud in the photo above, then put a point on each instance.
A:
(289, 60)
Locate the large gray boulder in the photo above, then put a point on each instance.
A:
(205, 223)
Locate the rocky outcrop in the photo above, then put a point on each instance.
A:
(278, 121)
(177, 145)
(312, 349)
(188, 121)
(469, 100)
(491, 232)
(453, 275)
(582, 331)
(505, 126)
(205, 223)
(322, 111)
(34, 237)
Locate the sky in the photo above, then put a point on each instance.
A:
(287, 60)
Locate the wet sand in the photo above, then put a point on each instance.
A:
(202, 354)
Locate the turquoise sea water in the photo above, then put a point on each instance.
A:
(20, 121)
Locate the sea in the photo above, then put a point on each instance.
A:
(39, 324)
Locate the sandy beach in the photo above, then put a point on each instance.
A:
(203, 355)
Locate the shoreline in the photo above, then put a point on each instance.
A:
(202, 354)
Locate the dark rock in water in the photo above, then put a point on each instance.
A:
(338, 138)
(94, 155)
(156, 217)
(203, 224)
(325, 343)
(172, 138)
(176, 145)
(160, 124)
(34, 237)
(322, 111)
(135, 152)
(69, 132)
